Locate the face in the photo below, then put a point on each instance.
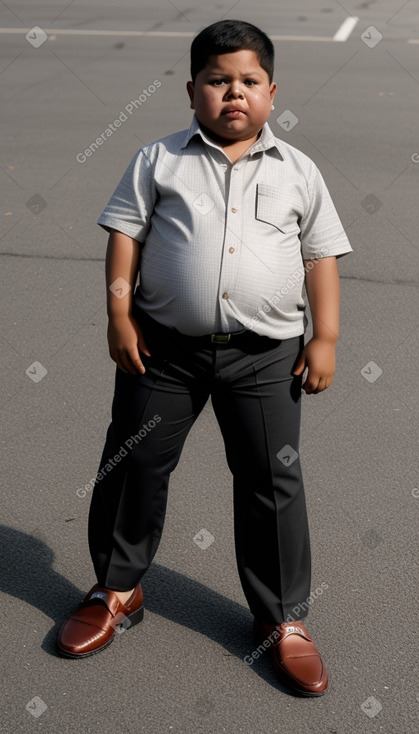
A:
(232, 97)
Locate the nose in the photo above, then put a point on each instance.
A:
(235, 90)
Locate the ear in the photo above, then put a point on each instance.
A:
(272, 91)
(191, 92)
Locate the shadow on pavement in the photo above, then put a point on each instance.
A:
(186, 601)
(27, 574)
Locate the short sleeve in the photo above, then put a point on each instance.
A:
(131, 205)
(322, 233)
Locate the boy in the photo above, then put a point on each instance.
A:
(222, 222)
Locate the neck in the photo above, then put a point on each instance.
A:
(228, 142)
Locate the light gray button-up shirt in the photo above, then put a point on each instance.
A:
(223, 243)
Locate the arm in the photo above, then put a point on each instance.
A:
(125, 338)
(322, 285)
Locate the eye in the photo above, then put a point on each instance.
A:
(217, 82)
(250, 82)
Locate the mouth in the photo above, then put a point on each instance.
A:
(233, 112)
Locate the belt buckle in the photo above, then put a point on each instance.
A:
(220, 338)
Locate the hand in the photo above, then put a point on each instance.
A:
(126, 341)
(319, 356)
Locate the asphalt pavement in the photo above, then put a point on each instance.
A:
(68, 73)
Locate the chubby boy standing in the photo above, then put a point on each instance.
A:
(223, 223)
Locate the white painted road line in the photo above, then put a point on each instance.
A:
(345, 30)
(342, 34)
(154, 34)
(86, 32)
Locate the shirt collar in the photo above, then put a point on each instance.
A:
(266, 139)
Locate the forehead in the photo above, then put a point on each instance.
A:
(242, 62)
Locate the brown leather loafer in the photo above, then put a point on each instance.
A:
(100, 615)
(296, 658)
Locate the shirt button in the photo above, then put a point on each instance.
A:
(225, 296)
(231, 250)
(233, 210)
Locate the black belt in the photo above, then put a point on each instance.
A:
(222, 338)
(219, 339)
(244, 339)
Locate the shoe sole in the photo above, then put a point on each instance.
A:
(287, 683)
(134, 618)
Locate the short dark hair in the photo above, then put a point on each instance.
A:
(227, 36)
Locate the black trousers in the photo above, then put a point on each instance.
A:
(256, 401)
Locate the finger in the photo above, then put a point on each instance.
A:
(322, 385)
(311, 384)
(143, 348)
(123, 362)
(325, 383)
(299, 368)
(127, 366)
(135, 361)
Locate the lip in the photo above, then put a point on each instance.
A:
(233, 111)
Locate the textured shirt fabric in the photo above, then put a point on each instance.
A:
(223, 243)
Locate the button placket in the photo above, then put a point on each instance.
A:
(233, 234)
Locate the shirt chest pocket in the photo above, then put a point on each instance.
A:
(277, 207)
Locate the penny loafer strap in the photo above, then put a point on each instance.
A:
(106, 598)
(295, 631)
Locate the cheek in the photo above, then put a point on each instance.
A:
(208, 101)
(213, 103)
(261, 103)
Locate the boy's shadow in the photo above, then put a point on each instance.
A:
(28, 574)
